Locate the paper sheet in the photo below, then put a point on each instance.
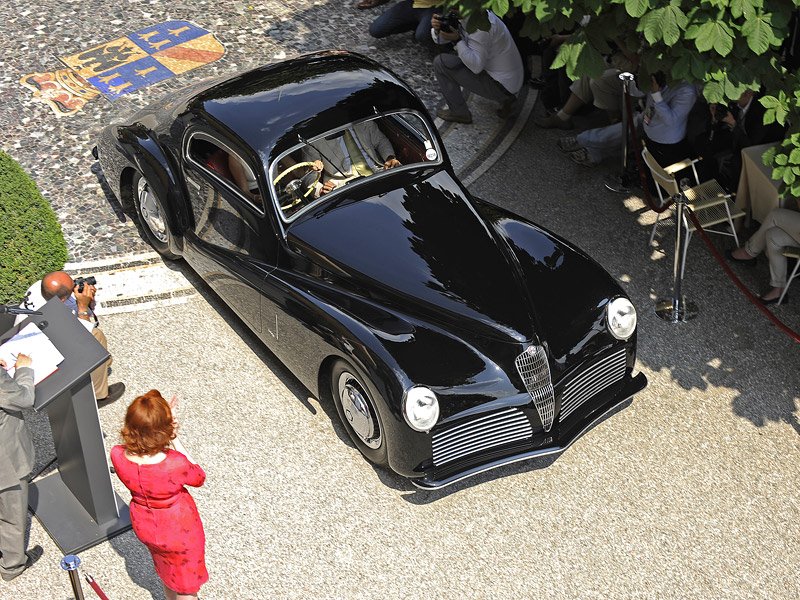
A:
(31, 341)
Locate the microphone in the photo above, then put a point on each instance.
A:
(14, 310)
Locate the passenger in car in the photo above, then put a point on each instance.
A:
(358, 151)
(244, 178)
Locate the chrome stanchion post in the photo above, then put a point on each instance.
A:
(70, 563)
(677, 309)
(619, 183)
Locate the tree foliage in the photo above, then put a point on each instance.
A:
(728, 46)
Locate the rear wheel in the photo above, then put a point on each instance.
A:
(150, 212)
(358, 412)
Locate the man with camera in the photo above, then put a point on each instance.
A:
(486, 63)
(78, 296)
(16, 463)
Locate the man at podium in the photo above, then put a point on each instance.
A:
(16, 463)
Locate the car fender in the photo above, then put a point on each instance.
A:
(147, 156)
(393, 352)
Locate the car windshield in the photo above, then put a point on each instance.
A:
(350, 153)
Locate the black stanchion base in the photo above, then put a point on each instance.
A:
(66, 521)
(667, 311)
(621, 183)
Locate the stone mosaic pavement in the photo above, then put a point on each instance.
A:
(56, 151)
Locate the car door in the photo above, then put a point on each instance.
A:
(231, 242)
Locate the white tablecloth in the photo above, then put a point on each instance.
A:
(758, 192)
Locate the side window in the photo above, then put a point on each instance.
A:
(227, 166)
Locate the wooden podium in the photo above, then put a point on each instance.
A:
(75, 504)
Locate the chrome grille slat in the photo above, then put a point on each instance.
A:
(481, 446)
(597, 377)
(481, 433)
(486, 422)
(478, 447)
(601, 364)
(511, 430)
(578, 401)
(534, 370)
(591, 384)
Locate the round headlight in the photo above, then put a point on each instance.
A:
(621, 317)
(421, 408)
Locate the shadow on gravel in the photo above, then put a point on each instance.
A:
(112, 200)
(138, 564)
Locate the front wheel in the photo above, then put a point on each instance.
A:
(358, 413)
(150, 212)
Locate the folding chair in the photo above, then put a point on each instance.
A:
(709, 202)
(791, 252)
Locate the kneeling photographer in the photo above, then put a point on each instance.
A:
(485, 62)
(730, 128)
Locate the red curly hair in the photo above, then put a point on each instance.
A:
(148, 426)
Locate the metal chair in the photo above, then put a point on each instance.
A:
(709, 202)
(791, 252)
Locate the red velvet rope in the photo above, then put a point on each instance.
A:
(95, 586)
(714, 252)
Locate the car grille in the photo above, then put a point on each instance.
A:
(605, 372)
(480, 434)
(535, 372)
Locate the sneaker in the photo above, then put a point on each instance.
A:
(553, 121)
(33, 555)
(568, 144)
(581, 156)
(537, 83)
(445, 114)
(115, 391)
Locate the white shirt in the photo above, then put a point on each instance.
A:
(493, 51)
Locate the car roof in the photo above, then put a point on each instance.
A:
(270, 107)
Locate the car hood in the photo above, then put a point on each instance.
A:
(421, 249)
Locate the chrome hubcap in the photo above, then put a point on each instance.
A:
(151, 211)
(358, 410)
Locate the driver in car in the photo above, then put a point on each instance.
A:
(358, 151)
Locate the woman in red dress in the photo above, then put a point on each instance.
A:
(163, 513)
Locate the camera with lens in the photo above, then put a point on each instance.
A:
(80, 282)
(721, 111)
(449, 22)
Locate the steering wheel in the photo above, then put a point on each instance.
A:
(298, 189)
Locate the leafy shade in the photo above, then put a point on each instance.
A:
(727, 46)
(31, 242)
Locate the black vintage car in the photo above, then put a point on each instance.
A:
(316, 198)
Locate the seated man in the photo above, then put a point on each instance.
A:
(605, 92)
(728, 130)
(663, 123)
(81, 303)
(486, 63)
(358, 151)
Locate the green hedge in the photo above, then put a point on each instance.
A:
(31, 242)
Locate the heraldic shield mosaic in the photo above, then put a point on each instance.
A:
(124, 65)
